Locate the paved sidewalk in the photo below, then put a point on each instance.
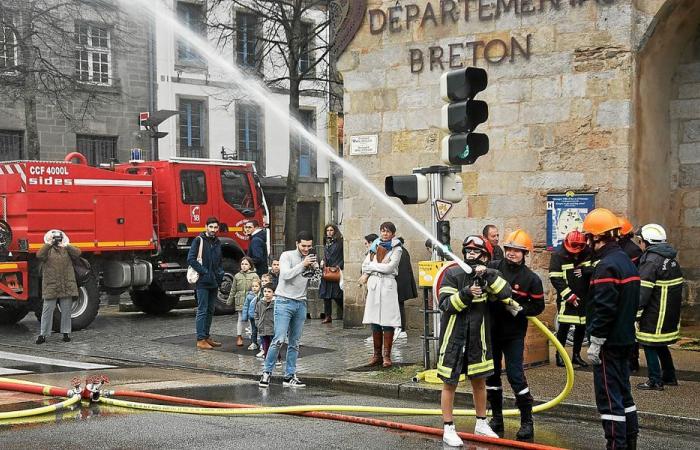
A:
(138, 339)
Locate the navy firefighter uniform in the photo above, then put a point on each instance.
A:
(613, 302)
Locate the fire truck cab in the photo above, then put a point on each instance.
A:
(133, 222)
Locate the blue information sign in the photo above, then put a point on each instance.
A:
(565, 212)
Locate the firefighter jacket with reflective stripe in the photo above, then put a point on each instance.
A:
(614, 297)
(465, 339)
(631, 249)
(567, 284)
(661, 296)
(527, 291)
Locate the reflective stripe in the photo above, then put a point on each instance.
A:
(566, 267)
(662, 309)
(524, 391)
(639, 313)
(497, 285)
(649, 337)
(613, 418)
(615, 280)
(457, 302)
(556, 274)
(485, 366)
(447, 372)
(483, 341)
(576, 320)
(630, 409)
(448, 290)
(494, 388)
(673, 282)
(647, 284)
(587, 263)
(565, 292)
(481, 298)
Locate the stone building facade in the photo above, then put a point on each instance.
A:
(114, 64)
(591, 96)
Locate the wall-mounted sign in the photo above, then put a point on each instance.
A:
(565, 212)
(364, 145)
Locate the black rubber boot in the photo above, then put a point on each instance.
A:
(559, 359)
(632, 442)
(579, 361)
(527, 427)
(495, 398)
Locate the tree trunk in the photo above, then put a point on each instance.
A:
(29, 84)
(291, 198)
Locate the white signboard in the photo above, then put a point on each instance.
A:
(363, 145)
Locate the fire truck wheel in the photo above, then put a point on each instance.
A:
(11, 314)
(220, 307)
(84, 308)
(153, 300)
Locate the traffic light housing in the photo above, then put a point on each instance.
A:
(443, 232)
(410, 189)
(462, 115)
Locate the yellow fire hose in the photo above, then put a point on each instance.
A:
(40, 410)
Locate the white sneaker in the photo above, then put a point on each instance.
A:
(253, 346)
(403, 335)
(450, 437)
(369, 339)
(260, 354)
(397, 331)
(482, 428)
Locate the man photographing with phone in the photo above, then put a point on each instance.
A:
(296, 268)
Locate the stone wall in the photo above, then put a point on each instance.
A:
(561, 119)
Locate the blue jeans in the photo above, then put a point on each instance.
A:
(290, 316)
(660, 373)
(205, 311)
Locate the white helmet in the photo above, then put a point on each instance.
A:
(653, 233)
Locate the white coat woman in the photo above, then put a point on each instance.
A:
(381, 265)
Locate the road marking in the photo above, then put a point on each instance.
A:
(53, 361)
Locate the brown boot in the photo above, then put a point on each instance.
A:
(239, 341)
(377, 357)
(212, 342)
(327, 319)
(388, 342)
(202, 344)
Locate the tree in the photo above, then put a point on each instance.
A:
(290, 49)
(47, 55)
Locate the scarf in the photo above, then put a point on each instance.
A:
(378, 242)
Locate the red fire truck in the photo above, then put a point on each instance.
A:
(134, 223)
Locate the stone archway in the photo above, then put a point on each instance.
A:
(666, 155)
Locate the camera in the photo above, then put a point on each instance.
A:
(56, 238)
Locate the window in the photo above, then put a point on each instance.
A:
(11, 143)
(249, 126)
(192, 16)
(307, 159)
(247, 40)
(191, 128)
(236, 189)
(305, 52)
(97, 149)
(193, 184)
(93, 54)
(8, 42)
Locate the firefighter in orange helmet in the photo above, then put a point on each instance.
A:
(610, 316)
(508, 329)
(568, 272)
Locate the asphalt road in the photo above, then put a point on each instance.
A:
(106, 428)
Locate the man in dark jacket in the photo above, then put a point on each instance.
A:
(490, 233)
(257, 247)
(610, 317)
(211, 274)
(406, 288)
(659, 306)
(508, 332)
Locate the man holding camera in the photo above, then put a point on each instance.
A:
(296, 268)
(57, 282)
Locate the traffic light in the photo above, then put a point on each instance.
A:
(410, 189)
(443, 232)
(463, 114)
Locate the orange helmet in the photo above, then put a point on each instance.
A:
(520, 240)
(625, 225)
(600, 221)
(575, 242)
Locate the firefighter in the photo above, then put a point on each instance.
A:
(508, 332)
(659, 306)
(568, 274)
(465, 346)
(610, 316)
(634, 252)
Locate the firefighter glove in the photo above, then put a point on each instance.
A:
(594, 350)
(573, 299)
(512, 306)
